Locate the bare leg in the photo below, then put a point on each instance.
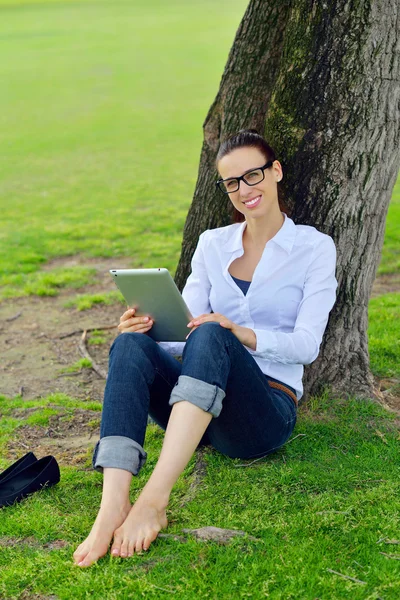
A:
(186, 426)
(114, 508)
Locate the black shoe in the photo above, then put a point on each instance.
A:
(20, 464)
(29, 480)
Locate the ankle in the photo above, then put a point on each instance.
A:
(114, 504)
(159, 500)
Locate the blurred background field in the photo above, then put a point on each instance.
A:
(101, 120)
(101, 112)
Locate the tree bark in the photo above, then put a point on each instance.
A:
(322, 80)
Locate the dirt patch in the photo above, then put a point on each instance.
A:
(385, 284)
(33, 352)
(104, 282)
(32, 542)
(199, 473)
(69, 437)
(28, 595)
(389, 391)
(33, 355)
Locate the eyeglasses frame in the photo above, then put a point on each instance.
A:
(242, 178)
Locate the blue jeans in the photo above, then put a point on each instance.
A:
(217, 373)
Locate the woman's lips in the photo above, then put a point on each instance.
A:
(253, 202)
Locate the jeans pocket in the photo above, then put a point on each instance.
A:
(285, 407)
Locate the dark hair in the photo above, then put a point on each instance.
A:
(248, 138)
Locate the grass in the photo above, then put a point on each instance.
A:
(83, 363)
(47, 283)
(101, 127)
(327, 500)
(390, 259)
(384, 335)
(97, 338)
(87, 301)
(12, 413)
(101, 157)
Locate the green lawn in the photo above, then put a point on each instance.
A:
(101, 131)
(101, 125)
(328, 500)
(390, 260)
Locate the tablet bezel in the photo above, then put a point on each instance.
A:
(153, 292)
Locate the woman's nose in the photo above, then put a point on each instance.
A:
(245, 188)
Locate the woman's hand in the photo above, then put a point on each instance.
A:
(245, 335)
(128, 322)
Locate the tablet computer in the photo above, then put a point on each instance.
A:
(153, 292)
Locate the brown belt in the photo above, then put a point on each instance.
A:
(280, 386)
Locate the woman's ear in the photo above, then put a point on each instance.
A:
(278, 170)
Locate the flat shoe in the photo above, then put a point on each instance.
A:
(29, 480)
(20, 464)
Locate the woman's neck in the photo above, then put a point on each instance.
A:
(259, 231)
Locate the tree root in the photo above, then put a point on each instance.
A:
(199, 472)
(65, 335)
(85, 353)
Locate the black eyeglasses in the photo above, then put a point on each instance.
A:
(232, 184)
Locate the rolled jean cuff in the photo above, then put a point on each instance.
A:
(118, 452)
(204, 395)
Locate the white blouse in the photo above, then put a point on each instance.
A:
(287, 304)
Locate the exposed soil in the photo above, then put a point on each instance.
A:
(34, 354)
(32, 542)
(385, 284)
(33, 350)
(69, 437)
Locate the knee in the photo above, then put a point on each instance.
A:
(209, 332)
(131, 342)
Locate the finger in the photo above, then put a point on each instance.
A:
(197, 318)
(205, 319)
(127, 314)
(139, 327)
(134, 321)
(136, 329)
(226, 324)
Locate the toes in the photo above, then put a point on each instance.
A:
(116, 547)
(139, 544)
(79, 554)
(89, 559)
(146, 543)
(150, 538)
(124, 548)
(131, 548)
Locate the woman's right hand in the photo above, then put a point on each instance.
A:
(128, 322)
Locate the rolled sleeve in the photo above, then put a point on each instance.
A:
(287, 348)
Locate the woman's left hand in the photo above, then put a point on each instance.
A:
(245, 335)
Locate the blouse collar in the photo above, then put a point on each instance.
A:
(284, 238)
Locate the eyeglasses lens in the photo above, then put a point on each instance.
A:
(254, 177)
(229, 186)
(232, 185)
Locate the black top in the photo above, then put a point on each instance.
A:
(244, 285)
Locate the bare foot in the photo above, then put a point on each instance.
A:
(96, 544)
(140, 528)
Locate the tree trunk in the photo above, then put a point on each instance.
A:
(322, 81)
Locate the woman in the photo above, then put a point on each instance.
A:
(261, 289)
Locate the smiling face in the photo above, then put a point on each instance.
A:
(251, 200)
